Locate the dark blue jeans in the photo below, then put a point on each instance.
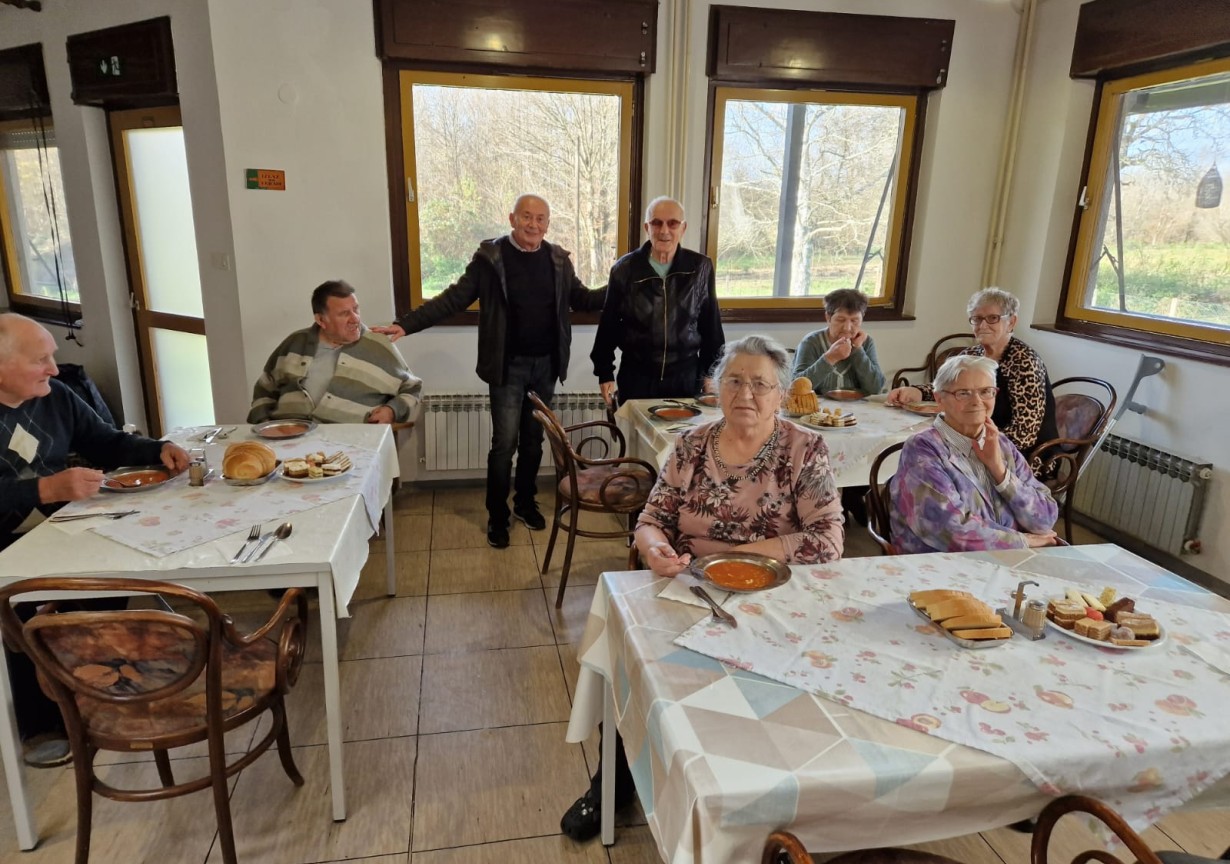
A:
(514, 430)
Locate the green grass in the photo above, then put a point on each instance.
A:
(1188, 282)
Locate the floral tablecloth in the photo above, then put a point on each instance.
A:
(176, 516)
(721, 756)
(1144, 731)
(851, 449)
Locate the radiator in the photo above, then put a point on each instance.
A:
(457, 427)
(1148, 494)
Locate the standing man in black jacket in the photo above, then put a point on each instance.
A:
(525, 289)
(661, 312)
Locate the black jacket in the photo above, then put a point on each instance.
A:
(657, 322)
(484, 281)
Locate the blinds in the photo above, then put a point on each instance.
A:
(27, 139)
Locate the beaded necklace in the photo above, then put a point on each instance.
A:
(756, 460)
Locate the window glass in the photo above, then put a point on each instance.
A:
(1153, 248)
(476, 143)
(33, 218)
(810, 194)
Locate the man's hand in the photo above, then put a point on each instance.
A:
(174, 457)
(859, 340)
(838, 351)
(607, 389)
(383, 414)
(71, 484)
(903, 396)
(393, 331)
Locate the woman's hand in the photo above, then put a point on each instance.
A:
(1048, 539)
(839, 351)
(663, 560)
(859, 340)
(903, 396)
(986, 448)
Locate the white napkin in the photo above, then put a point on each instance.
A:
(679, 589)
(1215, 655)
(228, 546)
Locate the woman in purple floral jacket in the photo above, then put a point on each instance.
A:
(751, 481)
(962, 485)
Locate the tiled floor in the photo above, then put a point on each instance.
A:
(456, 698)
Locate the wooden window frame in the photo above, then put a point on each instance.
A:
(40, 308)
(1209, 344)
(398, 83)
(901, 218)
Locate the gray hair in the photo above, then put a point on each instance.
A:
(1007, 303)
(665, 199)
(951, 369)
(757, 346)
(522, 198)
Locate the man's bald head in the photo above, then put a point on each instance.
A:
(12, 328)
(27, 359)
(530, 218)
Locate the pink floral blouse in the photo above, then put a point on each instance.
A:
(789, 494)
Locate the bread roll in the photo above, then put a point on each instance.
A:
(800, 386)
(248, 460)
(801, 399)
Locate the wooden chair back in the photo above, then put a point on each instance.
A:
(878, 503)
(945, 347)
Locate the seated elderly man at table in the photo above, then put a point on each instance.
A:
(962, 485)
(752, 482)
(337, 370)
(41, 422)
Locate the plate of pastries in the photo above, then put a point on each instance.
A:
(316, 467)
(1104, 620)
(801, 399)
(830, 418)
(961, 617)
(248, 463)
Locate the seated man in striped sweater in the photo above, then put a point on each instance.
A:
(336, 371)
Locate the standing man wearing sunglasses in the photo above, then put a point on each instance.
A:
(661, 312)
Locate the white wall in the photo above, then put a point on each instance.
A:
(1187, 414)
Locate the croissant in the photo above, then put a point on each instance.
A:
(248, 460)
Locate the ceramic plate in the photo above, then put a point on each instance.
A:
(235, 481)
(1110, 646)
(768, 572)
(672, 413)
(974, 644)
(280, 430)
(845, 395)
(929, 409)
(709, 400)
(823, 428)
(135, 478)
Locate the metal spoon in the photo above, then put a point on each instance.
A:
(718, 612)
(281, 534)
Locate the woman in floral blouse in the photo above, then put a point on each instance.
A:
(752, 481)
(962, 485)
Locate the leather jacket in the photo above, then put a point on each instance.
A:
(484, 281)
(657, 322)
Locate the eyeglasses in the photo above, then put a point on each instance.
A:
(964, 395)
(735, 386)
(669, 223)
(989, 319)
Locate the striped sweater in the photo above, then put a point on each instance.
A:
(370, 373)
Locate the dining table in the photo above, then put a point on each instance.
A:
(834, 711)
(852, 449)
(190, 534)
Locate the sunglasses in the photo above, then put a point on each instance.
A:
(669, 223)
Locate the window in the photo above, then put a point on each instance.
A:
(471, 144)
(36, 247)
(1152, 250)
(810, 194)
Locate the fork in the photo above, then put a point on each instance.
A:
(73, 517)
(254, 534)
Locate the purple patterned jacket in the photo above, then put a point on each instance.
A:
(938, 505)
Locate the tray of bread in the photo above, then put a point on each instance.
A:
(830, 418)
(316, 467)
(248, 463)
(1104, 620)
(802, 399)
(961, 617)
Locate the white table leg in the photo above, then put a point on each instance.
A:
(14, 771)
(333, 694)
(390, 552)
(609, 735)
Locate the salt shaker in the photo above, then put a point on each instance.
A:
(1035, 615)
(197, 472)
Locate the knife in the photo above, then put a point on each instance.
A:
(266, 540)
(208, 437)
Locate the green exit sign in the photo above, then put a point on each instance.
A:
(109, 66)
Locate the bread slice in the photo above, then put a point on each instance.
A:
(957, 607)
(923, 599)
(984, 633)
(972, 622)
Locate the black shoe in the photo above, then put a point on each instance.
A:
(529, 514)
(497, 535)
(583, 820)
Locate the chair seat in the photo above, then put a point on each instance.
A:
(627, 492)
(248, 681)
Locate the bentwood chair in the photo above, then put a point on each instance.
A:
(784, 848)
(878, 504)
(618, 485)
(947, 346)
(135, 681)
(1081, 421)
